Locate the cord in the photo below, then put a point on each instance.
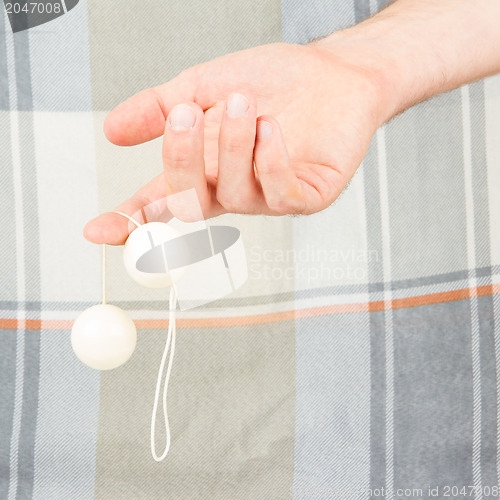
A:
(169, 346)
(104, 273)
(128, 217)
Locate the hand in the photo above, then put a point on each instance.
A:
(311, 114)
(322, 103)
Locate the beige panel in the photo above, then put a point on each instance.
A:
(231, 409)
(330, 246)
(67, 197)
(121, 171)
(136, 44)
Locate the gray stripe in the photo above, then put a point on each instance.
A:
(383, 3)
(424, 154)
(304, 21)
(496, 331)
(433, 418)
(332, 444)
(62, 81)
(23, 72)
(65, 457)
(485, 304)
(377, 320)
(480, 177)
(473, 302)
(488, 391)
(377, 401)
(7, 394)
(432, 409)
(8, 273)
(4, 75)
(361, 10)
(378, 358)
(31, 266)
(65, 446)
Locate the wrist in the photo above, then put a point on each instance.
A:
(369, 58)
(416, 49)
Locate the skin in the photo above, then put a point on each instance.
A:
(311, 110)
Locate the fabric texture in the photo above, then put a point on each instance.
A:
(360, 360)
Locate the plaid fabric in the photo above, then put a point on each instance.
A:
(363, 352)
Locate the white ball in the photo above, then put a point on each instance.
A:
(138, 243)
(103, 337)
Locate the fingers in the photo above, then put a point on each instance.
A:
(142, 117)
(282, 189)
(243, 142)
(113, 229)
(237, 189)
(183, 170)
(183, 161)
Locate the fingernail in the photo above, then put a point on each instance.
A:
(237, 105)
(264, 129)
(181, 117)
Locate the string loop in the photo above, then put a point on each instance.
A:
(169, 347)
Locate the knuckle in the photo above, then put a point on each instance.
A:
(233, 145)
(277, 206)
(232, 203)
(178, 155)
(227, 203)
(268, 168)
(284, 205)
(184, 74)
(189, 74)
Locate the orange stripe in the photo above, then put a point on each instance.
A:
(436, 298)
(153, 324)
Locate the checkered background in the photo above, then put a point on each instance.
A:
(362, 353)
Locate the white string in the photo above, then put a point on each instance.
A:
(128, 217)
(104, 273)
(170, 345)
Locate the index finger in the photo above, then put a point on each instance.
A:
(112, 228)
(141, 118)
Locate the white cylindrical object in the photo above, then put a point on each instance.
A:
(138, 243)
